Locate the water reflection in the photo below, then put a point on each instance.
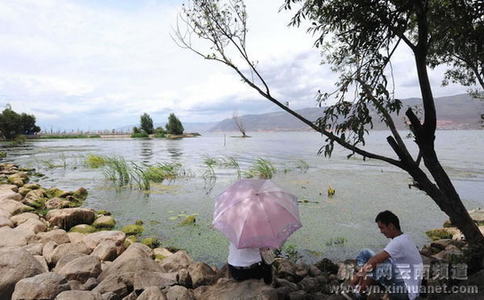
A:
(146, 151)
(174, 149)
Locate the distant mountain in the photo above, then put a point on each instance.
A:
(453, 112)
(189, 127)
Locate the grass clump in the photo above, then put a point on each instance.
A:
(162, 171)
(95, 161)
(139, 135)
(261, 168)
(117, 170)
(438, 234)
(302, 165)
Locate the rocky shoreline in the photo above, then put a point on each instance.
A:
(51, 248)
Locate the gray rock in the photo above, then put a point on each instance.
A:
(143, 280)
(176, 261)
(179, 292)
(183, 278)
(34, 248)
(201, 274)
(297, 295)
(67, 259)
(314, 271)
(310, 284)
(90, 284)
(110, 296)
(92, 240)
(131, 296)
(279, 282)
(119, 284)
(76, 237)
(226, 289)
(32, 225)
(15, 265)
(5, 221)
(76, 285)
(42, 286)
(152, 293)
(11, 237)
(68, 217)
(56, 203)
(68, 248)
(57, 235)
(35, 198)
(42, 262)
(79, 295)
(14, 207)
(106, 250)
(48, 250)
(7, 194)
(137, 258)
(81, 268)
(284, 268)
(20, 218)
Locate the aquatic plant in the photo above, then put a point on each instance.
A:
(140, 177)
(117, 170)
(95, 161)
(302, 165)
(336, 241)
(230, 162)
(261, 168)
(162, 171)
(331, 191)
(210, 161)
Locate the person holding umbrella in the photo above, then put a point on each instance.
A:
(254, 214)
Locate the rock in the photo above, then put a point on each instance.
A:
(119, 284)
(81, 268)
(110, 296)
(93, 239)
(106, 250)
(67, 259)
(80, 194)
(130, 240)
(137, 258)
(327, 266)
(448, 253)
(311, 284)
(42, 286)
(32, 225)
(13, 237)
(34, 248)
(21, 218)
(79, 295)
(68, 248)
(132, 229)
(175, 262)
(9, 187)
(152, 293)
(14, 207)
(7, 194)
(143, 280)
(183, 278)
(15, 265)
(54, 192)
(179, 292)
(226, 289)
(57, 235)
(103, 212)
(302, 270)
(32, 186)
(42, 262)
(35, 198)
(161, 253)
(151, 242)
(201, 274)
(68, 217)
(76, 237)
(56, 203)
(76, 285)
(345, 270)
(5, 221)
(104, 222)
(314, 271)
(83, 228)
(439, 234)
(284, 268)
(291, 286)
(24, 191)
(18, 179)
(48, 250)
(90, 284)
(131, 296)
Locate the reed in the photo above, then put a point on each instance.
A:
(95, 161)
(117, 170)
(163, 171)
(261, 168)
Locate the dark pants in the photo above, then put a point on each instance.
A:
(259, 270)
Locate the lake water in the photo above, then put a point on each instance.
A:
(363, 188)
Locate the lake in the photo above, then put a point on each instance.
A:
(333, 227)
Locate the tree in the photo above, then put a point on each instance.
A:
(239, 124)
(13, 124)
(146, 123)
(174, 126)
(363, 36)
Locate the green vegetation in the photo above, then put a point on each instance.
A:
(438, 234)
(13, 124)
(95, 161)
(3, 154)
(160, 132)
(133, 229)
(151, 242)
(261, 168)
(302, 165)
(139, 134)
(337, 241)
(69, 136)
(117, 170)
(162, 171)
(174, 125)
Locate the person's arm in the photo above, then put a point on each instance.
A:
(368, 267)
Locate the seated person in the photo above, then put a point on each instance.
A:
(398, 267)
(247, 263)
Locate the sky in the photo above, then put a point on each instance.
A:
(100, 64)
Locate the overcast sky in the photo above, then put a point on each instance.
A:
(99, 64)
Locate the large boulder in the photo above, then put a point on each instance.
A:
(8, 187)
(42, 286)
(79, 295)
(76, 237)
(57, 235)
(137, 258)
(226, 289)
(104, 222)
(67, 259)
(8, 194)
(68, 217)
(34, 248)
(201, 274)
(35, 198)
(14, 237)
(143, 280)
(152, 293)
(119, 284)
(179, 292)
(93, 239)
(15, 265)
(5, 221)
(56, 203)
(43, 263)
(81, 268)
(21, 218)
(175, 262)
(68, 248)
(32, 225)
(14, 207)
(106, 251)
(18, 179)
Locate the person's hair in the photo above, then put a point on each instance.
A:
(387, 217)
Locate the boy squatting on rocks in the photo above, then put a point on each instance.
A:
(398, 268)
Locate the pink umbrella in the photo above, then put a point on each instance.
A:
(255, 213)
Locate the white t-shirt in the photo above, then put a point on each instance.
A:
(404, 254)
(243, 257)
